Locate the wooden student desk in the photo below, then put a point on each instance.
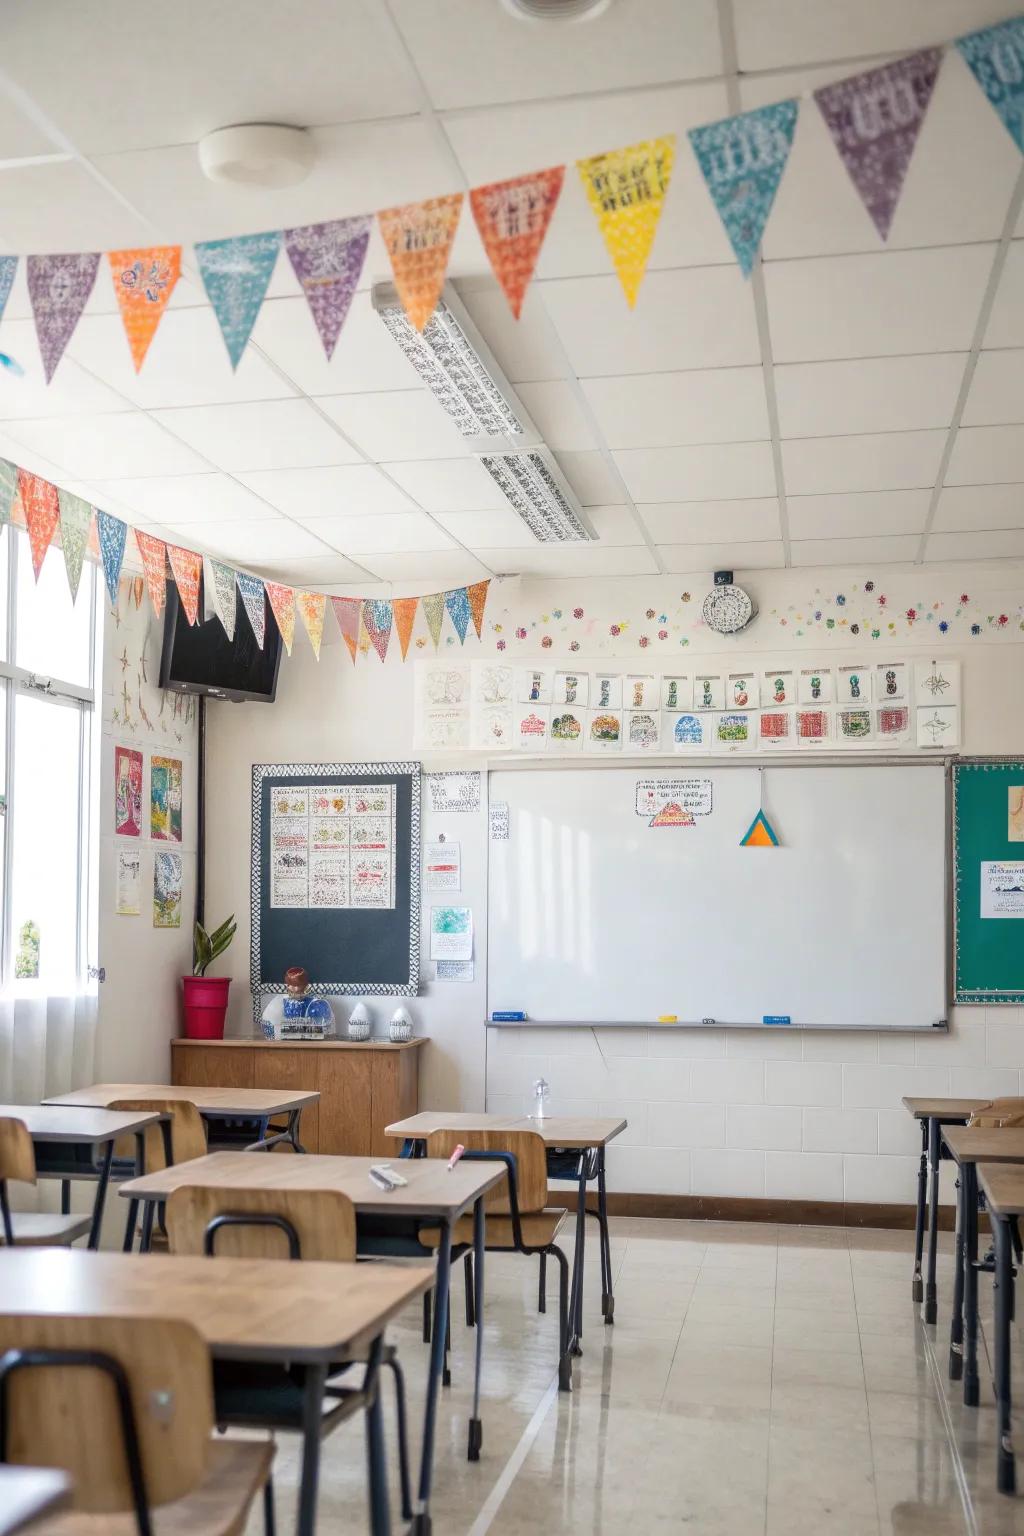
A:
(969, 1146)
(76, 1143)
(386, 1225)
(1003, 1185)
(933, 1114)
(26, 1493)
(214, 1104)
(576, 1150)
(245, 1309)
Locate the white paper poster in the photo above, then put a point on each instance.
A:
(890, 681)
(643, 730)
(530, 727)
(815, 685)
(709, 692)
(571, 688)
(454, 791)
(853, 685)
(741, 691)
(129, 882)
(499, 820)
(640, 692)
(443, 866)
(451, 933)
(1002, 888)
(454, 970)
(686, 733)
(491, 708)
(693, 795)
(442, 704)
(568, 727)
(938, 725)
(779, 688)
(535, 685)
(677, 692)
(937, 682)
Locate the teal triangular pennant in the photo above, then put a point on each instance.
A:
(236, 274)
(742, 160)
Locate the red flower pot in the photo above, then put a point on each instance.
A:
(206, 1006)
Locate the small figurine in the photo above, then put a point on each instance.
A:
(298, 1015)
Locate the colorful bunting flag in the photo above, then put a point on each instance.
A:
(143, 282)
(476, 596)
(433, 611)
(419, 239)
(8, 487)
(742, 160)
(187, 569)
(875, 119)
(251, 589)
(457, 604)
(112, 534)
(377, 623)
(223, 592)
(8, 267)
(282, 604)
(312, 606)
(513, 218)
(328, 260)
(404, 610)
(154, 563)
(346, 611)
(626, 189)
(236, 274)
(41, 508)
(59, 288)
(995, 57)
(75, 521)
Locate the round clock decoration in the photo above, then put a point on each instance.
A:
(727, 608)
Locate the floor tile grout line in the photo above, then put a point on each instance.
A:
(499, 1490)
(959, 1472)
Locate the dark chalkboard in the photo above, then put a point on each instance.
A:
(362, 950)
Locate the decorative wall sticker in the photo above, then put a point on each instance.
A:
(760, 833)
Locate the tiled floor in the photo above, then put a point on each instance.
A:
(758, 1379)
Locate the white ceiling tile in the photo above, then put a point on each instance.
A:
(448, 485)
(1006, 322)
(187, 362)
(336, 489)
(711, 405)
(60, 207)
(717, 472)
(430, 570)
(997, 389)
(775, 33)
(701, 318)
(501, 58)
(883, 462)
(404, 424)
(573, 560)
(615, 525)
(365, 357)
(858, 514)
(245, 542)
(184, 498)
(592, 479)
(525, 349)
(71, 391)
(986, 454)
(497, 529)
(700, 559)
(712, 522)
(966, 507)
(890, 551)
(383, 531)
(980, 544)
(870, 306)
(558, 415)
(108, 447)
(310, 572)
(260, 434)
(874, 394)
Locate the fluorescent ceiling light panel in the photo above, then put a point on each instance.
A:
(536, 490)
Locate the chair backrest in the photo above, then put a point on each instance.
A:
(324, 1221)
(1000, 1114)
(17, 1155)
(68, 1416)
(188, 1134)
(531, 1164)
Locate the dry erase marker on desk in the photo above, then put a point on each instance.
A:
(455, 1156)
(508, 1016)
(776, 1018)
(668, 1018)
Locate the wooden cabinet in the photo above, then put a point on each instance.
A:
(362, 1086)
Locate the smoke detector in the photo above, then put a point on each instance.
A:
(257, 155)
(556, 10)
(727, 608)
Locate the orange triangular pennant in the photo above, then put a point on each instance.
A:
(282, 603)
(419, 240)
(477, 597)
(513, 218)
(41, 506)
(312, 606)
(154, 563)
(143, 282)
(187, 567)
(404, 610)
(347, 611)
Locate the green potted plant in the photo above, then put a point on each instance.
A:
(206, 997)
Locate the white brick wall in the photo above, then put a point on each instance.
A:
(774, 1114)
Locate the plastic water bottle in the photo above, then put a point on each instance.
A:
(540, 1099)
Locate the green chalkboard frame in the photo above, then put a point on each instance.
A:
(988, 953)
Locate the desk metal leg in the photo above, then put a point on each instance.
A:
(607, 1290)
(576, 1303)
(922, 1201)
(148, 1212)
(421, 1525)
(65, 1197)
(101, 1196)
(956, 1326)
(1006, 1472)
(133, 1205)
(312, 1410)
(476, 1433)
(931, 1308)
(969, 1179)
(376, 1457)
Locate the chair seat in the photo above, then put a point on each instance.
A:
(219, 1506)
(46, 1229)
(272, 1395)
(539, 1228)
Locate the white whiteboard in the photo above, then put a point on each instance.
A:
(595, 916)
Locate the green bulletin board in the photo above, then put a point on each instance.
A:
(988, 891)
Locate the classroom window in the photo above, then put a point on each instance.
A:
(49, 650)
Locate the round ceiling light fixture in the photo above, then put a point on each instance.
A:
(257, 155)
(556, 10)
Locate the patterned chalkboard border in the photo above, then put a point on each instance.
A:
(991, 995)
(334, 773)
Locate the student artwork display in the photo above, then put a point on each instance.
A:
(451, 933)
(127, 792)
(779, 688)
(693, 795)
(1015, 814)
(815, 686)
(129, 880)
(453, 791)
(442, 866)
(333, 846)
(166, 889)
(776, 729)
(1002, 888)
(165, 799)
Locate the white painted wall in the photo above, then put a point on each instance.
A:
(710, 1112)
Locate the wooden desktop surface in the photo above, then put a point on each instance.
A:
(1003, 1184)
(953, 1109)
(28, 1492)
(59, 1122)
(251, 1102)
(557, 1130)
(983, 1144)
(245, 1309)
(431, 1190)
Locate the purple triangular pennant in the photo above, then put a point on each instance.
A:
(328, 260)
(59, 288)
(875, 119)
(254, 602)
